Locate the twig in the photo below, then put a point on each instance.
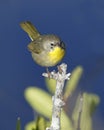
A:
(80, 111)
(57, 99)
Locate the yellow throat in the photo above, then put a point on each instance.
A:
(56, 55)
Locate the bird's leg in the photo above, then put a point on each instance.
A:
(47, 70)
(59, 69)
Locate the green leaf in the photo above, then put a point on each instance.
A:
(73, 82)
(66, 123)
(39, 100)
(31, 126)
(40, 123)
(18, 125)
(51, 84)
(90, 101)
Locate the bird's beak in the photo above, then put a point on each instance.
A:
(62, 45)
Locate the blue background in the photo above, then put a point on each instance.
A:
(80, 24)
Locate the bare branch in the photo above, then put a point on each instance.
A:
(57, 99)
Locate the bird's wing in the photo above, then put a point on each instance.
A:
(29, 28)
(35, 47)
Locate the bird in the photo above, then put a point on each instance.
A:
(47, 50)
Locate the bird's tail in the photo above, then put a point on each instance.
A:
(29, 28)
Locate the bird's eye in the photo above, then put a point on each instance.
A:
(52, 44)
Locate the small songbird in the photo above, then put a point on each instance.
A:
(47, 50)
